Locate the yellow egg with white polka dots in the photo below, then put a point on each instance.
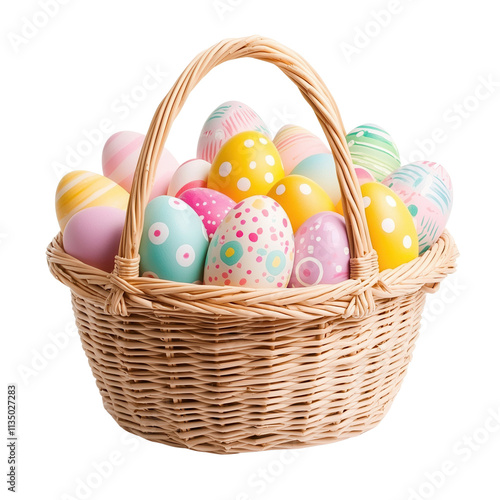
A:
(301, 198)
(248, 164)
(391, 226)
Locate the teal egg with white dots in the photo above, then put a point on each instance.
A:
(252, 247)
(174, 241)
(372, 148)
(321, 169)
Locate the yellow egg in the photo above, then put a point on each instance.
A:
(301, 198)
(390, 224)
(338, 208)
(248, 164)
(80, 189)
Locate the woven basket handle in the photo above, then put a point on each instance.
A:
(363, 258)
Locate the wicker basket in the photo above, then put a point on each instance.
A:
(229, 369)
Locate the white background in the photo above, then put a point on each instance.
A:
(420, 72)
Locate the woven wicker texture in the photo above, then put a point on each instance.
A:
(230, 369)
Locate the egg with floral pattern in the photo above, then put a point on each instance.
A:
(321, 251)
(174, 241)
(248, 164)
(252, 247)
(425, 188)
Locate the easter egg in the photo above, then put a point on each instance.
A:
(229, 119)
(295, 144)
(93, 235)
(248, 164)
(81, 189)
(301, 198)
(363, 175)
(191, 174)
(119, 160)
(211, 206)
(426, 190)
(321, 251)
(174, 241)
(321, 169)
(252, 247)
(390, 224)
(372, 148)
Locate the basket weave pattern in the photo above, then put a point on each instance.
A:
(229, 369)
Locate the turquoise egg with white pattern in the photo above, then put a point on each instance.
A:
(372, 148)
(426, 190)
(321, 169)
(174, 241)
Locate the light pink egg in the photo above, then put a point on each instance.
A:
(229, 119)
(363, 175)
(295, 144)
(119, 160)
(191, 174)
(93, 236)
(210, 205)
(321, 251)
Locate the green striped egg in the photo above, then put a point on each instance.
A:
(372, 148)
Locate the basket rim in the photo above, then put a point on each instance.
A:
(425, 271)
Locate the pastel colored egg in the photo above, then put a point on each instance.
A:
(426, 189)
(321, 251)
(81, 189)
(191, 174)
(390, 224)
(295, 144)
(229, 119)
(119, 161)
(211, 206)
(372, 148)
(93, 236)
(252, 247)
(301, 198)
(174, 241)
(363, 175)
(248, 164)
(321, 169)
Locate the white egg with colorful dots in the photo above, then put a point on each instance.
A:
(253, 246)
(211, 206)
(174, 241)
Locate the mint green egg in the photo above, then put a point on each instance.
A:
(321, 169)
(372, 148)
(174, 241)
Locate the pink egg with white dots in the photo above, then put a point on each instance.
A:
(252, 247)
(321, 251)
(210, 205)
